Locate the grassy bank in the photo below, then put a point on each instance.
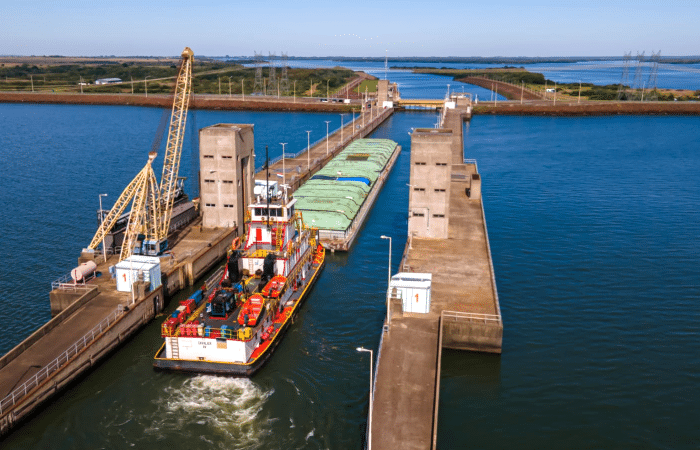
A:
(158, 76)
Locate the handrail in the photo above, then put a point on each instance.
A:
(67, 283)
(472, 161)
(471, 317)
(16, 395)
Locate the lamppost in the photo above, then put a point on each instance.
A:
(284, 171)
(102, 222)
(308, 150)
(327, 122)
(341, 128)
(388, 282)
(371, 394)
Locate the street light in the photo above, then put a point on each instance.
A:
(371, 394)
(102, 222)
(308, 149)
(284, 171)
(341, 128)
(327, 122)
(388, 282)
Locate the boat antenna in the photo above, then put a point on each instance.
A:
(267, 185)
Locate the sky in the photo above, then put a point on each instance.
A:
(359, 28)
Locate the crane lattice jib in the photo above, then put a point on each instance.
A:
(118, 209)
(143, 217)
(176, 132)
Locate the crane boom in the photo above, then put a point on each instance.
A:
(145, 210)
(119, 206)
(173, 150)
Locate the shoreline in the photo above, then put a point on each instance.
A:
(215, 102)
(203, 102)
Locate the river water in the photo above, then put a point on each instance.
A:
(593, 225)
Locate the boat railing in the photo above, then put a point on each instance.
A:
(458, 316)
(20, 392)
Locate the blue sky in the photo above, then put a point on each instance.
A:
(360, 28)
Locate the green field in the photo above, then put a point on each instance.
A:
(369, 85)
(208, 78)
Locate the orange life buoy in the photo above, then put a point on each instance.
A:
(236, 243)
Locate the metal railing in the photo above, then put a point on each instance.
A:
(350, 136)
(66, 283)
(19, 393)
(472, 161)
(471, 317)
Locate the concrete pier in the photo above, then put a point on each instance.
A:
(93, 319)
(448, 239)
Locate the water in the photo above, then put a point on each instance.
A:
(670, 76)
(593, 225)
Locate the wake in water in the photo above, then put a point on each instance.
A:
(210, 408)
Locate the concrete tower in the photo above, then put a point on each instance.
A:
(226, 174)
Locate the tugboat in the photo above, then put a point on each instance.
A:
(235, 327)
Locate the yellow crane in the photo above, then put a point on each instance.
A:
(152, 205)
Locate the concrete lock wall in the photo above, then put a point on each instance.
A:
(209, 256)
(142, 311)
(472, 335)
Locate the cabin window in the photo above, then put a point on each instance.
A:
(419, 189)
(228, 181)
(440, 164)
(208, 181)
(226, 157)
(438, 215)
(439, 190)
(209, 156)
(415, 214)
(211, 205)
(228, 206)
(420, 163)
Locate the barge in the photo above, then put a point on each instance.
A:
(336, 199)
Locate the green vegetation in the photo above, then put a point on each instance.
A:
(368, 85)
(208, 78)
(508, 74)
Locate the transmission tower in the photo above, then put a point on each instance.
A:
(653, 74)
(638, 70)
(284, 82)
(258, 86)
(622, 88)
(272, 80)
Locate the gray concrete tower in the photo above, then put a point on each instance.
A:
(226, 174)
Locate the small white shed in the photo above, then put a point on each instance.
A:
(414, 290)
(127, 272)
